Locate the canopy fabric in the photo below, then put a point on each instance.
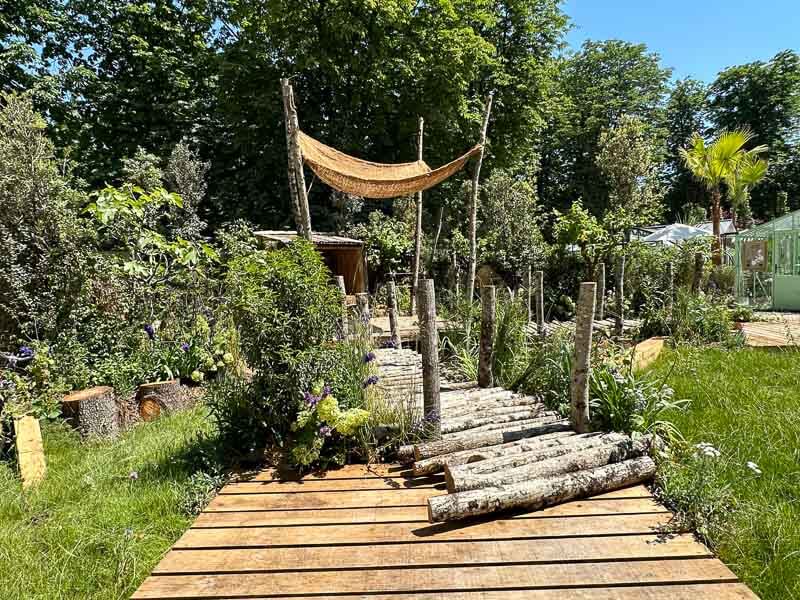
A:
(374, 180)
(675, 234)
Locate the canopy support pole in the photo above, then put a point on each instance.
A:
(297, 180)
(473, 217)
(418, 232)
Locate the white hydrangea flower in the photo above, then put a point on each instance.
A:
(706, 449)
(753, 467)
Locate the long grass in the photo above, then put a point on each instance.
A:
(106, 512)
(746, 404)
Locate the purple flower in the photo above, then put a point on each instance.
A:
(369, 357)
(311, 399)
(25, 351)
(371, 380)
(185, 346)
(326, 391)
(389, 344)
(325, 431)
(151, 333)
(432, 416)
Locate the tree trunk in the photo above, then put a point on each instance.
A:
(716, 215)
(159, 397)
(579, 460)
(362, 302)
(429, 338)
(488, 438)
(297, 180)
(93, 412)
(463, 457)
(620, 296)
(418, 228)
(473, 214)
(697, 276)
(538, 493)
(436, 238)
(581, 364)
(600, 312)
(540, 302)
(394, 328)
(529, 298)
(485, 359)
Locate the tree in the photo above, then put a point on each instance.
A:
(749, 171)
(717, 163)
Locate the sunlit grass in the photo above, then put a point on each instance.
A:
(746, 403)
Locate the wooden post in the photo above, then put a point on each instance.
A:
(397, 342)
(362, 301)
(697, 277)
(601, 292)
(539, 277)
(429, 338)
(488, 304)
(30, 452)
(418, 231)
(530, 294)
(581, 364)
(473, 215)
(620, 296)
(345, 316)
(670, 286)
(297, 179)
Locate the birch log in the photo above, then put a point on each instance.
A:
(538, 493)
(529, 293)
(579, 384)
(600, 311)
(620, 296)
(519, 424)
(473, 215)
(362, 302)
(345, 316)
(540, 302)
(581, 460)
(297, 180)
(394, 328)
(418, 229)
(429, 342)
(488, 304)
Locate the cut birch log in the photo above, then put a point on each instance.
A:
(405, 454)
(581, 364)
(157, 398)
(504, 426)
(580, 460)
(485, 359)
(527, 451)
(394, 328)
(488, 438)
(620, 297)
(93, 412)
(418, 228)
(429, 342)
(474, 198)
(538, 493)
(486, 411)
(437, 463)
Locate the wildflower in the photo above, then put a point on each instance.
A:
(369, 357)
(227, 358)
(150, 331)
(753, 467)
(432, 416)
(371, 380)
(326, 391)
(389, 344)
(25, 351)
(325, 431)
(197, 376)
(185, 346)
(311, 399)
(706, 449)
(133, 476)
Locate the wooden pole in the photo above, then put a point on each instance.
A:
(539, 277)
(345, 316)
(429, 338)
(670, 286)
(620, 296)
(581, 364)
(530, 294)
(473, 215)
(393, 326)
(601, 291)
(697, 278)
(488, 305)
(297, 180)
(418, 231)
(362, 301)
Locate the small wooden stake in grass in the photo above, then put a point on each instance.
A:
(429, 342)
(393, 326)
(620, 296)
(579, 390)
(540, 302)
(600, 312)
(297, 180)
(418, 230)
(30, 452)
(362, 302)
(488, 304)
(697, 277)
(345, 317)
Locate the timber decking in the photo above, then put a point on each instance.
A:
(772, 334)
(362, 532)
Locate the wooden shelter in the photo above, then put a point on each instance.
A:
(343, 256)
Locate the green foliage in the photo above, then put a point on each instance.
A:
(578, 227)
(694, 319)
(388, 243)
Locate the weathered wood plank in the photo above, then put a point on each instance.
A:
(345, 472)
(30, 451)
(364, 484)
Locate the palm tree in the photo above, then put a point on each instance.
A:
(747, 174)
(717, 163)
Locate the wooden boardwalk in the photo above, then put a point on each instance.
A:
(781, 333)
(363, 533)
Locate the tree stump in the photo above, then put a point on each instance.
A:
(93, 412)
(160, 397)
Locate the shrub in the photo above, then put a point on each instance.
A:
(693, 319)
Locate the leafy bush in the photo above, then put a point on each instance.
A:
(388, 244)
(692, 319)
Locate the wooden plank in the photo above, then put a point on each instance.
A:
(382, 533)
(431, 555)
(334, 485)
(417, 514)
(701, 591)
(30, 451)
(645, 353)
(345, 472)
(439, 579)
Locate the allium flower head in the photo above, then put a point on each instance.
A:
(150, 331)
(707, 450)
(325, 431)
(753, 467)
(369, 357)
(25, 351)
(371, 380)
(311, 399)
(133, 476)
(185, 346)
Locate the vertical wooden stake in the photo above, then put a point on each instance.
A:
(539, 278)
(620, 296)
(418, 230)
(429, 338)
(488, 305)
(530, 294)
(473, 214)
(581, 364)
(397, 342)
(30, 452)
(297, 179)
(697, 278)
(345, 316)
(600, 311)
(362, 301)
(670, 286)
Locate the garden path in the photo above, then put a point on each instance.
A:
(779, 331)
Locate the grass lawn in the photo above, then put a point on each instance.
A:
(746, 403)
(106, 512)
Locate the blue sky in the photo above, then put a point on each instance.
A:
(697, 38)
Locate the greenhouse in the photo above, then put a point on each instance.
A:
(768, 264)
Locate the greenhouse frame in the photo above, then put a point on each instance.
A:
(768, 264)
